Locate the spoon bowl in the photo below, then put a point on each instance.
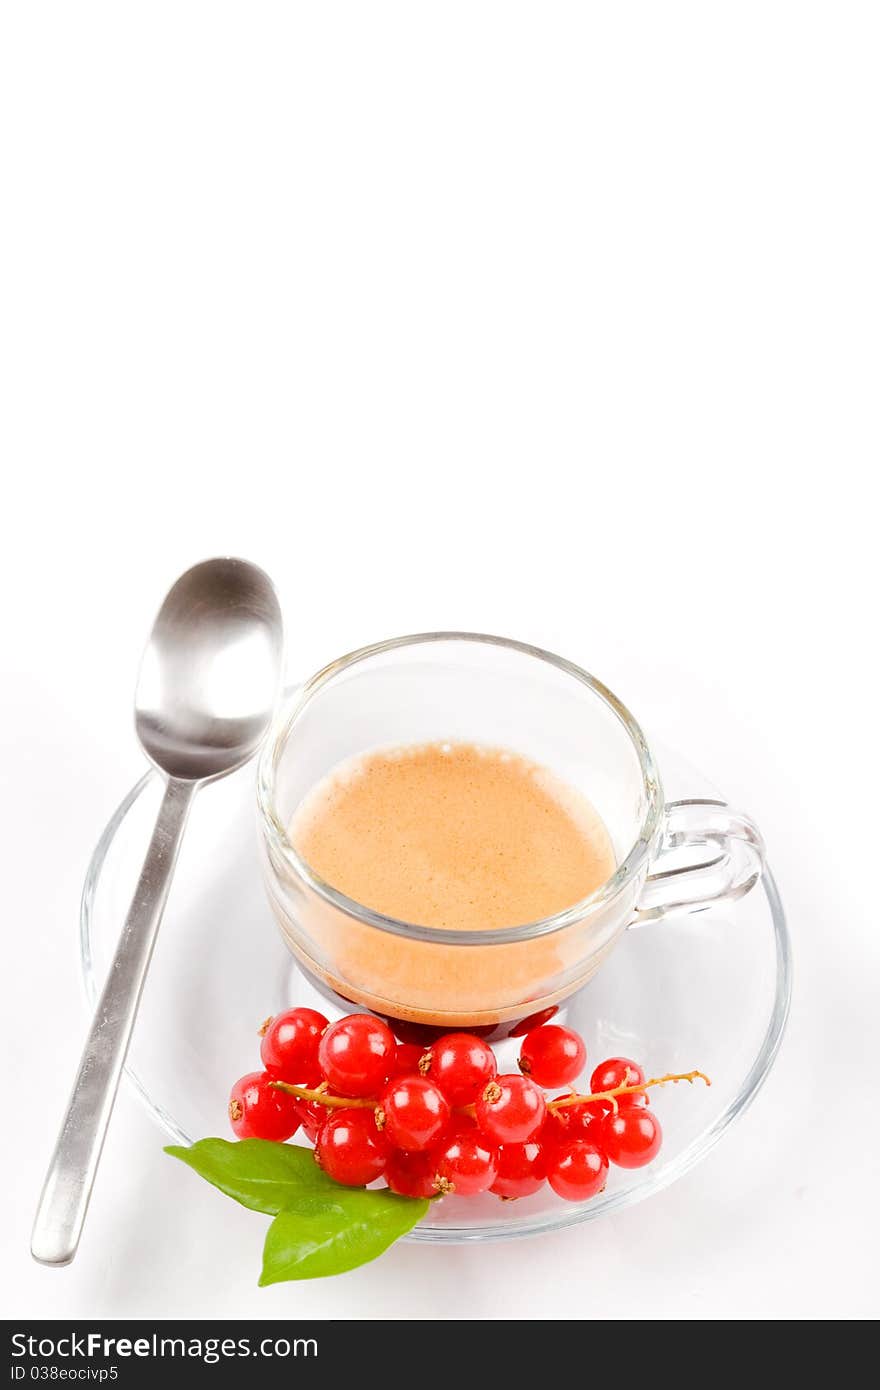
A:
(209, 675)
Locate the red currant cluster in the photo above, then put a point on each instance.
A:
(441, 1121)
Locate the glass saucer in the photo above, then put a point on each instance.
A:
(706, 990)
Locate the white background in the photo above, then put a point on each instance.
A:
(554, 320)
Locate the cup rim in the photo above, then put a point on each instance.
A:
(626, 871)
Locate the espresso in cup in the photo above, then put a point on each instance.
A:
(456, 830)
(454, 835)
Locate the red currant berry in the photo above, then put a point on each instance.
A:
(357, 1055)
(552, 1056)
(350, 1149)
(526, 1025)
(312, 1116)
(620, 1071)
(511, 1110)
(638, 1100)
(579, 1121)
(289, 1048)
(406, 1062)
(413, 1113)
(256, 1111)
(411, 1175)
(522, 1169)
(465, 1163)
(632, 1137)
(461, 1065)
(577, 1171)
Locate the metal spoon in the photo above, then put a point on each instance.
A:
(206, 692)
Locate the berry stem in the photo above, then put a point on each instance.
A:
(319, 1094)
(323, 1096)
(690, 1076)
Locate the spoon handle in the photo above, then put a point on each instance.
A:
(68, 1185)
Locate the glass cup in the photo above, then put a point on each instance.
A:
(467, 687)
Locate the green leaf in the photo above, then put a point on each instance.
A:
(328, 1235)
(259, 1173)
(320, 1227)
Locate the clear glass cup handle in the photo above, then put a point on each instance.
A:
(713, 854)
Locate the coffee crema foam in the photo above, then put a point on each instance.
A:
(453, 835)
